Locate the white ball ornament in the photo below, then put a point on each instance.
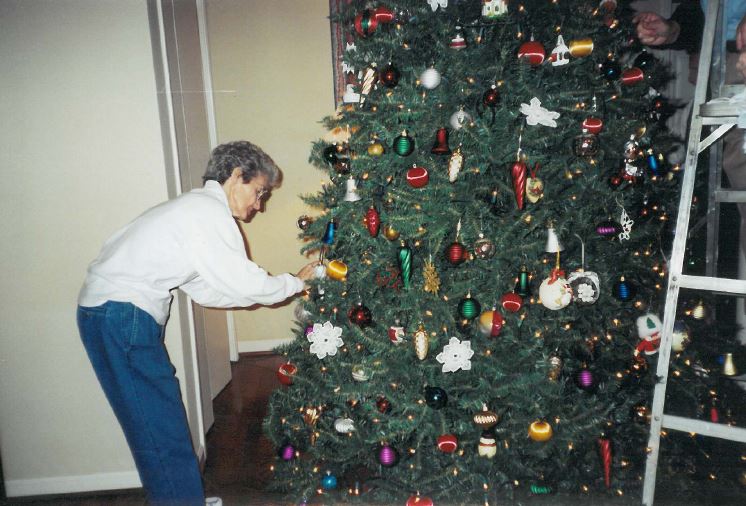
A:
(555, 294)
(680, 336)
(430, 78)
(344, 425)
(460, 119)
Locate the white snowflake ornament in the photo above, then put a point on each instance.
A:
(325, 339)
(538, 115)
(456, 355)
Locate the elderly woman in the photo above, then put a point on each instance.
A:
(191, 242)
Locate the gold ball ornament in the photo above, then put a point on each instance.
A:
(390, 233)
(375, 148)
(337, 270)
(540, 431)
(742, 478)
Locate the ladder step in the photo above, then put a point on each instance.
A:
(723, 107)
(733, 196)
(723, 285)
(704, 428)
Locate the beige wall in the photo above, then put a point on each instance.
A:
(272, 76)
(80, 155)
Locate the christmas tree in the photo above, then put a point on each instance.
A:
(494, 231)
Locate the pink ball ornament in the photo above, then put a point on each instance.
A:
(584, 379)
(287, 453)
(387, 456)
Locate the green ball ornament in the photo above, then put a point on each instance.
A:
(403, 144)
(469, 308)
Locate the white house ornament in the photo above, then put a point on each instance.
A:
(456, 355)
(350, 96)
(555, 292)
(560, 55)
(538, 115)
(434, 4)
(325, 339)
(493, 9)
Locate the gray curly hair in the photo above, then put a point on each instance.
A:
(242, 154)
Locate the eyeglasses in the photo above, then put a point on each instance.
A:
(260, 193)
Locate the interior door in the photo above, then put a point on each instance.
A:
(191, 125)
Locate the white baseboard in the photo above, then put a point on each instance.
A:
(261, 345)
(72, 484)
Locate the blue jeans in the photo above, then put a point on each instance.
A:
(125, 346)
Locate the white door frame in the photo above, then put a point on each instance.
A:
(213, 133)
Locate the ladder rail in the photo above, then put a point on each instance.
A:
(677, 256)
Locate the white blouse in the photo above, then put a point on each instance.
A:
(193, 243)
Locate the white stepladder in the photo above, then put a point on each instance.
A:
(722, 114)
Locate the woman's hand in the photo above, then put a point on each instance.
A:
(654, 30)
(308, 271)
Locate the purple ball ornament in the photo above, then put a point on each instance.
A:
(584, 379)
(387, 456)
(309, 329)
(608, 229)
(287, 453)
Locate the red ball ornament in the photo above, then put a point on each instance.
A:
(286, 373)
(367, 21)
(372, 221)
(593, 125)
(383, 405)
(512, 302)
(389, 76)
(533, 52)
(456, 253)
(632, 76)
(491, 97)
(417, 177)
(360, 315)
(615, 181)
(447, 443)
(418, 500)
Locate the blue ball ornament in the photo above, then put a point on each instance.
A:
(329, 482)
